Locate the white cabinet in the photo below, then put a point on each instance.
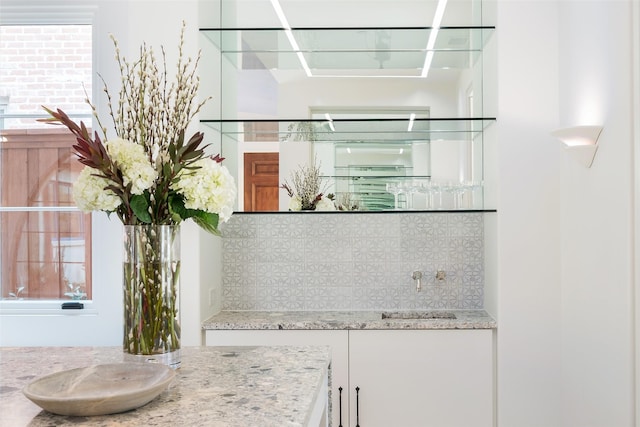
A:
(418, 378)
(408, 378)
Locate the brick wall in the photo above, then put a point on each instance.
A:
(44, 65)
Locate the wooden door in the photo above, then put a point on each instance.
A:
(261, 181)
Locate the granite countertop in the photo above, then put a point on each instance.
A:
(215, 386)
(327, 320)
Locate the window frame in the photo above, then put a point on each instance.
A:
(65, 13)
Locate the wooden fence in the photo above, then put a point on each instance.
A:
(44, 254)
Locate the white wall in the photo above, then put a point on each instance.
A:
(528, 306)
(565, 233)
(635, 117)
(597, 224)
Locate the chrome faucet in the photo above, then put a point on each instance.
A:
(417, 276)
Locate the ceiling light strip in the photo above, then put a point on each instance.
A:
(431, 43)
(330, 120)
(412, 117)
(363, 76)
(289, 34)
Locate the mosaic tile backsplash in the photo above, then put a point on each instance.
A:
(343, 261)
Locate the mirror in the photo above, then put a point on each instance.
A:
(389, 105)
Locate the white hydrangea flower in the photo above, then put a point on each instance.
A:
(325, 204)
(134, 163)
(295, 204)
(210, 188)
(89, 192)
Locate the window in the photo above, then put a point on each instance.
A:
(45, 247)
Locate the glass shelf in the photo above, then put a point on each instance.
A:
(358, 169)
(385, 51)
(390, 192)
(360, 131)
(352, 86)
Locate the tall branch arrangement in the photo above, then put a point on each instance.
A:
(306, 191)
(150, 174)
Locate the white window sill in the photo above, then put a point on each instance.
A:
(44, 308)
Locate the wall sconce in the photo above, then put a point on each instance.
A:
(581, 142)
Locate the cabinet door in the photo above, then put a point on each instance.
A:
(414, 378)
(336, 340)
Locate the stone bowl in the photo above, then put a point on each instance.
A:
(100, 389)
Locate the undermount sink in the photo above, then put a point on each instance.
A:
(409, 315)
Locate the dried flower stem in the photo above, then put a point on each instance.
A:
(306, 184)
(149, 110)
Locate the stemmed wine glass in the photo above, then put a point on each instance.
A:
(396, 190)
(411, 187)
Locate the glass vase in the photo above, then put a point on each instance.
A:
(151, 267)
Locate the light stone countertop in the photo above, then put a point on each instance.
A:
(328, 320)
(215, 386)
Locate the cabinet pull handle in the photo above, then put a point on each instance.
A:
(357, 406)
(340, 405)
